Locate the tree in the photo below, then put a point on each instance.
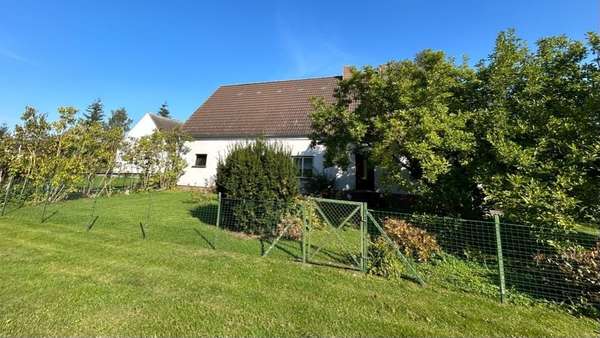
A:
(159, 157)
(411, 119)
(95, 112)
(538, 131)
(5, 150)
(120, 119)
(164, 110)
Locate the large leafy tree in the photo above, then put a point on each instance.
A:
(520, 133)
(538, 130)
(94, 112)
(411, 119)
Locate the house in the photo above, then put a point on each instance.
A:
(278, 111)
(150, 123)
(147, 125)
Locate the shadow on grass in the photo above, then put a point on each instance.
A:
(210, 244)
(206, 213)
(49, 216)
(283, 246)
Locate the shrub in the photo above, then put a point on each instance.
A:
(263, 176)
(580, 270)
(414, 242)
(293, 224)
(320, 185)
(383, 259)
(294, 218)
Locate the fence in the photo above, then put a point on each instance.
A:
(489, 257)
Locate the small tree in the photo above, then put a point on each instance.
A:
(159, 157)
(263, 175)
(119, 119)
(5, 148)
(95, 112)
(164, 110)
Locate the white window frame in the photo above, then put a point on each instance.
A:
(302, 166)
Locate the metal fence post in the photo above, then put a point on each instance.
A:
(363, 237)
(304, 228)
(218, 222)
(219, 211)
(500, 258)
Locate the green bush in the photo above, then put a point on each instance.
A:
(262, 176)
(383, 259)
(579, 269)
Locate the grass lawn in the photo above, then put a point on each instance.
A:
(59, 279)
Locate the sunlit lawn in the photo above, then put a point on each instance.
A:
(189, 278)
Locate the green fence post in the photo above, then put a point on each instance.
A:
(363, 237)
(304, 225)
(500, 259)
(218, 222)
(219, 211)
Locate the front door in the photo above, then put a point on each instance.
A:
(365, 174)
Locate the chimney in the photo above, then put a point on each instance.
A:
(347, 72)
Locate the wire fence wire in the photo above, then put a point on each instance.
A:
(503, 259)
(334, 236)
(497, 259)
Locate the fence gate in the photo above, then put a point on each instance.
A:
(336, 233)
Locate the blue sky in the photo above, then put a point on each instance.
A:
(137, 54)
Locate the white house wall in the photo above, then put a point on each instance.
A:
(144, 127)
(216, 148)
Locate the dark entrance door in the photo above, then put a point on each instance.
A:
(365, 174)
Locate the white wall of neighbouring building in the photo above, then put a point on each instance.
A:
(144, 127)
(218, 148)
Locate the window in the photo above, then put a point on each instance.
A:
(304, 165)
(200, 161)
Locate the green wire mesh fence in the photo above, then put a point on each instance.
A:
(511, 262)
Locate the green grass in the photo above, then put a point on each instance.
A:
(59, 279)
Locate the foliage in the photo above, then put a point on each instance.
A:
(302, 209)
(120, 119)
(537, 131)
(158, 157)
(518, 133)
(469, 276)
(5, 148)
(581, 270)
(414, 242)
(95, 112)
(383, 259)
(290, 227)
(411, 119)
(263, 174)
(164, 110)
(48, 160)
(319, 185)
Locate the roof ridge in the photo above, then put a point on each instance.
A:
(153, 115)
(279, 81)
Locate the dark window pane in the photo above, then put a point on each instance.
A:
(200, 161)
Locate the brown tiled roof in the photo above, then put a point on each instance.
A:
(278, 108)
(164, 123)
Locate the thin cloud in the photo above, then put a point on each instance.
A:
(314, 55)
(14, 56)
